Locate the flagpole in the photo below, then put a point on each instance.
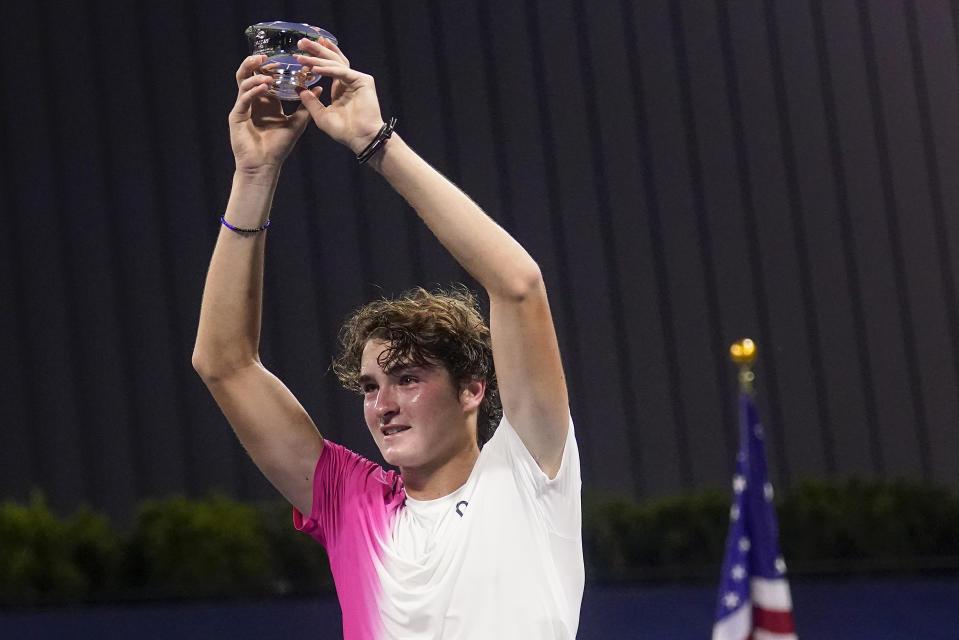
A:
(743, 353)
(754, 598)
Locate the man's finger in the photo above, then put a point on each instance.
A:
(329, 44)
(302, 115)
(310, 100)
(252, 81)
(244, 101)
(307, 61)
(247, 67)
(332, 69)
(317, 49)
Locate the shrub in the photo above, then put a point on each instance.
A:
(628, 540)
(301, 563)
(46, 559)
(213, 547)
(220, 548)
(95, 551)
(858, 520)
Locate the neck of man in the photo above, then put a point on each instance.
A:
(430, 483)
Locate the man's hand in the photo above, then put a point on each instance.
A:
(261, 135)
(353, 115)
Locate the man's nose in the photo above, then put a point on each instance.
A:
(385, 405)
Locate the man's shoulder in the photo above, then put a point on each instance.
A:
(353, 471)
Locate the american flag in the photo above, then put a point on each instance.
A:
(754, 600)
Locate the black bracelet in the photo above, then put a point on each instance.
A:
(385, 132)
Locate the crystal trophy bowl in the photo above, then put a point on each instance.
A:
(277, 41)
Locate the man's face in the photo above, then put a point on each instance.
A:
(418, 416)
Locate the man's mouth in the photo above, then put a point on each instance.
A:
(393, 429)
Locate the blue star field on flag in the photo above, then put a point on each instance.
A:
(752, 547)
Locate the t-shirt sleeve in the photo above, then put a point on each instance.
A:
(558, 497)
(341, 478)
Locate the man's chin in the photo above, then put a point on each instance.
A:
(396, 457)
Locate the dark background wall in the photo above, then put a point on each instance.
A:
(686, 173)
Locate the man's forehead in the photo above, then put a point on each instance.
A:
(376, 355)
(374, 346)
(393, 369)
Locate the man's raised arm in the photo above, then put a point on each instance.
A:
(525, 350)
(272, 425)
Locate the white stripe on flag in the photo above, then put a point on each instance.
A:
(771, 594)
(736, 625)
(762, 634)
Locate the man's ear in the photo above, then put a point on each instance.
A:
(472, 394)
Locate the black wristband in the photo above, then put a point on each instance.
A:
(386, 131)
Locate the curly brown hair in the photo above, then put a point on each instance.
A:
(424, 328)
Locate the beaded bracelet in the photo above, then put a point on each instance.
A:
(266, 225)
(385, 132)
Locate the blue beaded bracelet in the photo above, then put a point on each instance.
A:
(266, 225)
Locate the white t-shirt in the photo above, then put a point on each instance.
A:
(499, 558)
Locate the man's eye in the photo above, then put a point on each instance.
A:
(367, 388)
(407, 379)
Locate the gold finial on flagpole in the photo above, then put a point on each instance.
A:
(743, 353)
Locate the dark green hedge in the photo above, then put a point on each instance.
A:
(216, 547)
(824, 527)
(174, 548)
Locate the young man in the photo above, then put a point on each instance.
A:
(472, 538)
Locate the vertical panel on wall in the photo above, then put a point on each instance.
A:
(946, 95)
(715, 209)
(828, 317)
(457, 65)
(140, 239)
(672, 231)
(19, 453)
(855, 337)
(580, 218)
(78, 471)
(879, 102)
(112, 278)
(170, 141)
(770, 225)
(655, 92)
(654, 396)
(174, 187)
(618, 220)
(49, 340)
(222, 459)
(552, 209)
(104, 421)
(473, 83)
(916, 249)
(813, 399)
(523, 170)
(758, 276)
(882, 324)
(427, 127)
(936, 61)
(929, 262)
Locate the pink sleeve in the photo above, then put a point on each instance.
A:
(342, 482)
(354, 501)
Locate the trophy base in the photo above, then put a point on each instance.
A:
(288, 79)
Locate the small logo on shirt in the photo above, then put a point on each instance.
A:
(461, 504)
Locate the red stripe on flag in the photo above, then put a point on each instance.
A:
(774, 621)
